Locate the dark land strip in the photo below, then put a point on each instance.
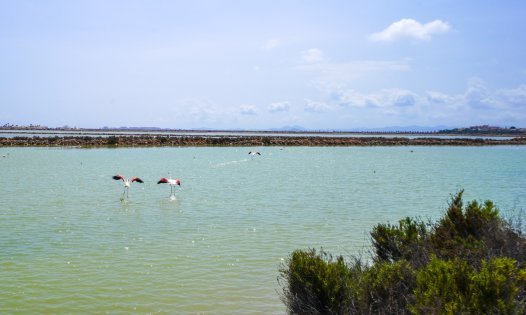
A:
(198, 141)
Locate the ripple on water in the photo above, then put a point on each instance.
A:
(70, 246)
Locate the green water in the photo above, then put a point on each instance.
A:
(68, 245)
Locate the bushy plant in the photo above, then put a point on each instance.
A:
(384, 288)
(498, 288)
(402, 241)
(470, 262)
(439, 287)
(317, 283)
(476, 233)
(464, 233)
(455, 287)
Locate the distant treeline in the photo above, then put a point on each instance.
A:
(485, 130)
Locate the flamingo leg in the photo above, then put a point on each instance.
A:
(172, 192)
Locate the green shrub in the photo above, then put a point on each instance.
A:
(455, 287)
(384, 288)
(496, 287)
(476, 233)
(404, 241)
(316, 283)
(441, 287)
(470, 262)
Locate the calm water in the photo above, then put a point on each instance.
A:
(69, 245)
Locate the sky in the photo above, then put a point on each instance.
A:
(263, 64)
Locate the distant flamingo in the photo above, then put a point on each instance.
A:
(254, 153)
(172, 183)
(127, 183)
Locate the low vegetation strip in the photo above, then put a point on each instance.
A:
(151, 140)
(471, 261)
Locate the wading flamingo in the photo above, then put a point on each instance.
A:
(172, 183)
(127, 183)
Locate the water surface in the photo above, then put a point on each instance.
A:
(69, 245)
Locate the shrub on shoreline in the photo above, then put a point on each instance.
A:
(471, 261)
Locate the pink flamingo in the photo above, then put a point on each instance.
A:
(172, 183)
(127, 183)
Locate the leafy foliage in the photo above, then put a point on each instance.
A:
(439, 284)
(465, 233)
(405, 241)
(470, 262)
(455, 287)
(497, 287)
(384, 288)
(317, 283)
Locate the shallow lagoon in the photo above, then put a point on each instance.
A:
(69, 245)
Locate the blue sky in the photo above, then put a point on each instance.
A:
(263, 64)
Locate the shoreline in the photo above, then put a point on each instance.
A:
(239, 141)
(278, 133)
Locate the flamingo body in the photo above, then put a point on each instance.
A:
(172, 183)
(127, 182)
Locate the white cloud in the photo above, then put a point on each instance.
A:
(478, 95)
(316, 107)
(313, 55)
(437, 97)
(515, 97)
(384, 98)
(404, 100)
(397, 98)
(279, 107)
(330, 76)
(350, 98)
(476, 105)
(248, 110)
(410, 29)
(200, 110)
(330, 73)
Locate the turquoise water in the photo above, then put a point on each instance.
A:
(68, 245)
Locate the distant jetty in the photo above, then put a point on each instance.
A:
(244, 140)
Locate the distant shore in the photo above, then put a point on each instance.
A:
(464, 132)
(245, 140)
